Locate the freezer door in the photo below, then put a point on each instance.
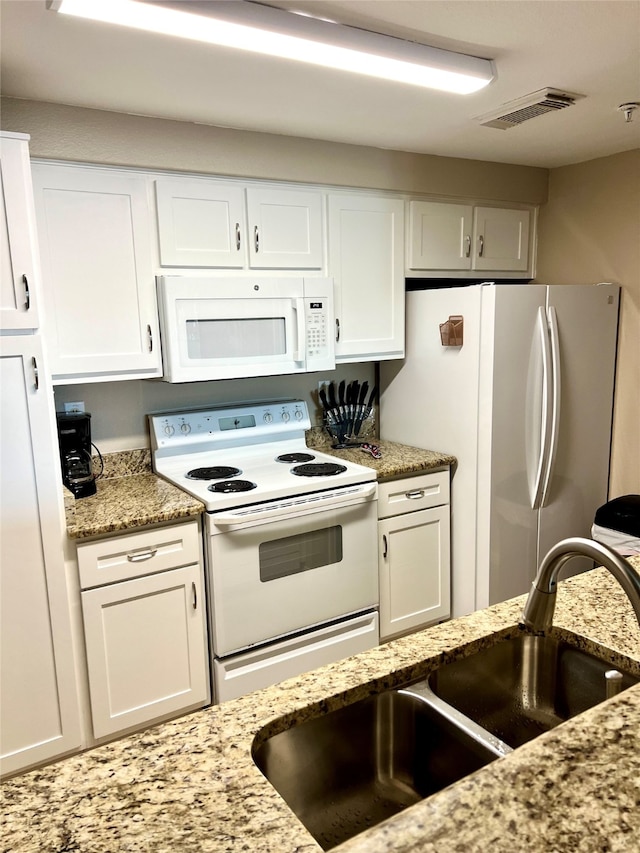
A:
(587, 318)
(509, 440)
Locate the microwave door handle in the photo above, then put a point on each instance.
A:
(300, 354)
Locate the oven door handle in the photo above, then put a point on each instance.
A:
(290, 506)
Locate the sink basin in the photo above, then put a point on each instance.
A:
(354, 767)
(526, 685)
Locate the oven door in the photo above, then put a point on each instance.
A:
(291, 565)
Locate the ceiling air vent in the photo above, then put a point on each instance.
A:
(522, 109)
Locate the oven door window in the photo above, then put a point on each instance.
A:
(303, 552)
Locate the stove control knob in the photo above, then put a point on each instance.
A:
(185, 428)
(169, 429)
(267, 417)
(299, 414)
(286, 417)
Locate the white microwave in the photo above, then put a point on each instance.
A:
(230, 328)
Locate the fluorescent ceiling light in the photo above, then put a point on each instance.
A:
(264, 29)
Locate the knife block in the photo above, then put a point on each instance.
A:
(341, 441)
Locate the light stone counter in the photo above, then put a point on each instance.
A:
(190, 786)
(129, 496)
(397, 460)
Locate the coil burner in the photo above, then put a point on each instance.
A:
(318, 469)
(295, 457)
(227, 486)
(217, 472)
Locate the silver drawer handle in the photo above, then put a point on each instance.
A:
(481, 242)
(141, 556)
(237, 236)
(385, 546)
(415, 494)
(467, 243)
(149, 338)
(256, 238)
(194, 595)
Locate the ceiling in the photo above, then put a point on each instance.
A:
(589, 47)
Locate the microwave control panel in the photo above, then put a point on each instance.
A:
(317, 344)
(319, 340)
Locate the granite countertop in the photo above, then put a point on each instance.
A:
(397, 460)
(128, 496)
(190, 786)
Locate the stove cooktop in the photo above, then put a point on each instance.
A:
(236, 456)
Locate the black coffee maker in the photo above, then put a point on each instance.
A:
(74, 438)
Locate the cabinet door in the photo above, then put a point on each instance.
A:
(285, 229)
(18, 240)
(146, 649)
(99, 288)
(39, 715)
(414, 561)
(366, 260)
(501, 239)
(439, 236)
(201, 223)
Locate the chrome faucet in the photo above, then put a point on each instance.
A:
(537, 615)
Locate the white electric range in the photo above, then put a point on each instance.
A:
(290, 539)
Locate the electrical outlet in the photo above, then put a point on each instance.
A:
(73, 408)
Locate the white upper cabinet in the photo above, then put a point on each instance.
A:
(219, 224)
(18, 239)
(285, 229)
(501, 239)
(99, 287)
(366, 261)
(440, 235)
(450, 236)
(201, 223)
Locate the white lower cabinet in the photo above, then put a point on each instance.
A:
(414, 553)
(39, 707)
(146, 637)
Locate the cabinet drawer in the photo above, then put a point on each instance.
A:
(137, 554)
(413, 493)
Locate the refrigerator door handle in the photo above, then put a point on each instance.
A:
(555, 403)
(547, 410)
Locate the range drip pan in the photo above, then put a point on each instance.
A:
(318, 469)
(216, 472)
(228, 486)
(295, 457)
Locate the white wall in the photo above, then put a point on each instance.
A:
(95, 136)
(119, 409)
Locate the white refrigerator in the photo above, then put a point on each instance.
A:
(525, 404)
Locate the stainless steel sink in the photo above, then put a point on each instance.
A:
(354, 767)
(521, 687)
